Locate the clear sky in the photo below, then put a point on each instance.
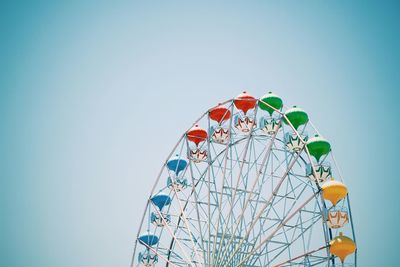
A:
(94, 94)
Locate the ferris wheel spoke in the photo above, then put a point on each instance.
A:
(284, 197)
(239, 219)
(263, 207)
(203, 203)
(294, 238)
(237, 184)
(278, 217)
(225, 163)
(232, 202)
(286, 247)
(300, 256)
(221, 219)
(209, 196)
(188, 229)
(288, 194)
(276, 230)
(302, 229)
(197, 210)
(262, 226)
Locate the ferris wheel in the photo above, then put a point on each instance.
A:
(251, 183)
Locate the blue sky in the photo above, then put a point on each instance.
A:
(94, 94)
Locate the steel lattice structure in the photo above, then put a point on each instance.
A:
(246, 192)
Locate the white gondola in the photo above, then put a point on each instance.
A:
(245, 124)
(160, 220)
(322, 172)
(293, 141)
(177, 184)
(337, 218)
(270, 125)
(220, 135)
(198, 155)
(148, 258)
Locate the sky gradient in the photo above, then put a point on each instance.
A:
(94, 94)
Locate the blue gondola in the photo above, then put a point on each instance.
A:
(177, 164)
(161, 200)
(148, 239)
